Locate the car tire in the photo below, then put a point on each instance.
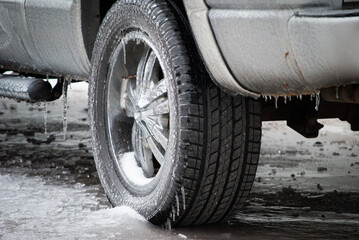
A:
(166, 141)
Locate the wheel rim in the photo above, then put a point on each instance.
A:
(138, 112)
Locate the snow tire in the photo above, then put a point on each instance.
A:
(214, 154)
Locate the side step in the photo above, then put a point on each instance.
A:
(25, 88)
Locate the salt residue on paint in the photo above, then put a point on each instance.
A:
(133, 172)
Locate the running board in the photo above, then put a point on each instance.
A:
(25, 88)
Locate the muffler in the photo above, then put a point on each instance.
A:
(25, 88)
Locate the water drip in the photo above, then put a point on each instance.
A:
(173, 214)
(64, 110)
(124, 53)
(45, 118)
(177, 204)
(169, 224)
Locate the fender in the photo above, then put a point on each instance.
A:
(277, 48)
(49, 37)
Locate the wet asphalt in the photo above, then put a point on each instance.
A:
(49, 188)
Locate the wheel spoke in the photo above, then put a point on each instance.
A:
(156, 152)
(159, 107)
(147, 163)
(130, 108)
(153, 146)
(157, 132)
(150, 64)
(158, 90)
(136, 142)
(131, 94)
(140, 80)
(143, 154)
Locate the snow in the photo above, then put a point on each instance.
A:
(33, 209)
(133, 171)
(182, 235)
(334, 126)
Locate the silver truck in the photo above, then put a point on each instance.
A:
(178, 88)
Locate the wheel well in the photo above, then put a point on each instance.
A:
(104, 7)
(95, 11)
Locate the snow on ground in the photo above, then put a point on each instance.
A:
(32, 209)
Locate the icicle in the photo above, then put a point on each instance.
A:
(124, 53)
(45, 118)
(265, 98)
(64, 110)
(300, 97)
(285, 99)
(290, 98)
(173, 214)
(276, 102)
(270, 97)
(183, 197)
(124, 57)
(337, 93)
(47, 78)
(168, 223)
(177, 204)
(317, 101)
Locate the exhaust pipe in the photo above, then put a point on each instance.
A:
(25, 88)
